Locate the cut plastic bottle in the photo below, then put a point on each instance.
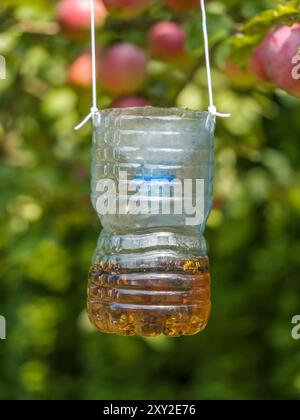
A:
(150, 271)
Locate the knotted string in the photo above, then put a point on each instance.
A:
(94, 109)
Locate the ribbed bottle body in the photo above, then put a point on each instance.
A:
(152, 180)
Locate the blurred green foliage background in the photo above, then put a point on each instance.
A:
(48, 230)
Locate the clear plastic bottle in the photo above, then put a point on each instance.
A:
(150, 272)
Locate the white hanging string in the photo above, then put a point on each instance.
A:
(212, 108)
(94, 109)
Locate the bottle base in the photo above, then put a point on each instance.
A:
(172, 299)
(151, 323)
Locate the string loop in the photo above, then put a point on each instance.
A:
(94, 109)
(212, 108)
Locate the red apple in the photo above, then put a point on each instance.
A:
(238, 76)
(80, 71)
(130, 102)
(182, 5)
(123, 69)
(81, 173)
(167, 41)
(127, 9)
(256, 64)
(75, 15)
(280, 58)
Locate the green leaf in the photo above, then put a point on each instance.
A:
(219, 27)
(254, 30)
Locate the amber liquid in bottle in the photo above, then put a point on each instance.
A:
(171, 299)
